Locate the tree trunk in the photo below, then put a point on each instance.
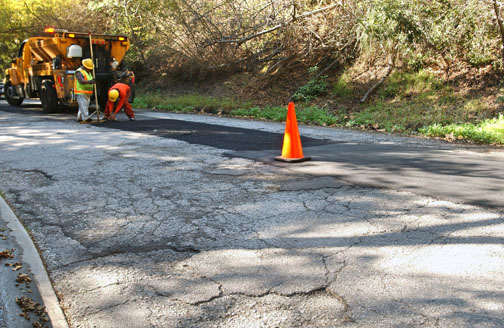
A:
(501, 27)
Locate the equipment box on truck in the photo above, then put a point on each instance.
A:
(45, 67)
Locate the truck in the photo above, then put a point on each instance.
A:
(45, 67)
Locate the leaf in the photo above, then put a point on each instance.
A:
(16, 266)
(450, 137)
(22, 277)
(7, 254)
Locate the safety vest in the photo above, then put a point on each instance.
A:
(80, 88)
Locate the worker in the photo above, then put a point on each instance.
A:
(83, 88)
(118, 96)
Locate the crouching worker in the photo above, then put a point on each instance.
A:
(118, 96)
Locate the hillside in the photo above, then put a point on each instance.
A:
(421, 66)
(406, 102)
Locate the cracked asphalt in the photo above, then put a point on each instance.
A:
(138, 230)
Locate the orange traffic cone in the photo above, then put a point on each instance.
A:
(292, 151)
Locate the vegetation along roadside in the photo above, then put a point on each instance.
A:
(420, 103)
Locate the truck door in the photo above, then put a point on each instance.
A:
(20, 60)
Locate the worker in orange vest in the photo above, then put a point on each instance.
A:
(118, 96)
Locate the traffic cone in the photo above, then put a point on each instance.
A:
(292, 151)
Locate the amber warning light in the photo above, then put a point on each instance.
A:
(51, 30)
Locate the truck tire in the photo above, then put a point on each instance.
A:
(11, 94)
(48, 97)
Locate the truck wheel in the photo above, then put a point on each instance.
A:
(11, 95)
(48, 97)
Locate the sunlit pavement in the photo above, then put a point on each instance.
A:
(140, 231)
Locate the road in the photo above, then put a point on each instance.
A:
(186, 221)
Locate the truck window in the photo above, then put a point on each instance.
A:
(20, 53)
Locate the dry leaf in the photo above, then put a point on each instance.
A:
(16, 266)
(7, 254)
(449, 137)
(22, 277)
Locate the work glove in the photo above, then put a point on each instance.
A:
(91, 82)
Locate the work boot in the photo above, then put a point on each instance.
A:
(132, 118)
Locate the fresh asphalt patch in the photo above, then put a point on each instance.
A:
(217, 136)
(443, 174)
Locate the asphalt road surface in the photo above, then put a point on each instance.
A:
(472, 177)
(187, 221)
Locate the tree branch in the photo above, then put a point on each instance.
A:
(501, 27)
(279, 26)
(377, 84)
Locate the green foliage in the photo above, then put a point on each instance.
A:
(415, 61)
(448, 29)
(314, 88)
(342, 88)
(184, 103)
(308, 115)
(478, 59)
(268, 113)
(420, 83)
(489, 131)
(409, 101)
(317, 116)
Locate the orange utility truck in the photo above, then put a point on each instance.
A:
(45, 67)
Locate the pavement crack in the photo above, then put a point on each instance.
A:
(108, 308)
(347, 310)
(45, 174)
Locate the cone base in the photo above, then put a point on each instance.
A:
(292, 160)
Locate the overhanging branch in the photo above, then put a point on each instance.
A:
(276, 27)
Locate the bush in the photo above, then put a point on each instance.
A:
(185, 103)
(488, 131)
(314, 88)
(342, 89)
(308, 115)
